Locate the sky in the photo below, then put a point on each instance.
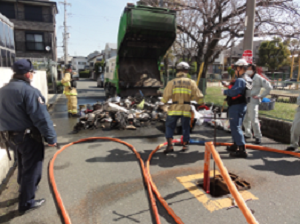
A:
(93, 23)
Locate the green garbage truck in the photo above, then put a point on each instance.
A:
(145, 35)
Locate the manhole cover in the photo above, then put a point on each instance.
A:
(218, 187)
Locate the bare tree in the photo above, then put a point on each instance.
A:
(210, 26)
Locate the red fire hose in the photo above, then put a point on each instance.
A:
(151, 187)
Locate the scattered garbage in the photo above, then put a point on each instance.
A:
(135, 112)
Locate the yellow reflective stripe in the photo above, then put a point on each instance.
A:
(182, 91)
(73, 111)
(67, 84)
(200, 101)
(163, 100)
(70, 94)
(180, 113)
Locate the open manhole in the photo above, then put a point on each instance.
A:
(218, 187)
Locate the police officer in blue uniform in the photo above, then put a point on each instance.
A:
(237, 99)
(25, 121)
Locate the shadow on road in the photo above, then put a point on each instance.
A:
(9, 216)
(159, 159)
(281, 167)
(10, 202)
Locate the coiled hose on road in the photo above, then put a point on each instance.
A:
(151, 187)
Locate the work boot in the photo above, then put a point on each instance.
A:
(290, 148)
(257, 141)
(36, 204)
(185, 147)
(232, 148)
(169, 148)
(241, 153)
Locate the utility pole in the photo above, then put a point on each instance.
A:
(249, 23)
(66, 34)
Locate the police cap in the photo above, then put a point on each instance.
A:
(23, 66)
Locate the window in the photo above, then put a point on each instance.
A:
(33, 13)
(8, 10)
(34, 42)
(2, 35)
(4, 58)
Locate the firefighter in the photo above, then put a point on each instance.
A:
(295, 130)
(251, 117)
(237, 102)
(182, 91)
(24, 122)
(70, 92)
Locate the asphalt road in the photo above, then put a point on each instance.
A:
(101, 182)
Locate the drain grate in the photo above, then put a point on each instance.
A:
(218, 188)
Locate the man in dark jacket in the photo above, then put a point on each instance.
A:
(25, 119)
(237, 102)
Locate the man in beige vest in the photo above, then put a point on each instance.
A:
(182, 91)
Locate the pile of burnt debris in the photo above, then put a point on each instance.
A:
(116, 113)
(135, 112)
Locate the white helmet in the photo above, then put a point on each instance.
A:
(241, 62)
(183, 66)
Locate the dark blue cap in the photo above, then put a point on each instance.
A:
(22, 66)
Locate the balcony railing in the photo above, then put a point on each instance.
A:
(27, 46)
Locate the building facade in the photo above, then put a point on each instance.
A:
(110, 51)
(79, 63)
(34, 27)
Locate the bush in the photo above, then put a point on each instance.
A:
(84, 74)
(59, 83)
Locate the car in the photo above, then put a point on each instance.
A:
(100, 80)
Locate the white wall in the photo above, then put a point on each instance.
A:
(39, 80)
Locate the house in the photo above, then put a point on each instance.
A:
(7, 43)
(79, 63)
(92, 62)
(110, 50)
(217, 66)
(34, 27)
(91, 59)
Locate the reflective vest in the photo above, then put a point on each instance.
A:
(66, 81)
(182, 91)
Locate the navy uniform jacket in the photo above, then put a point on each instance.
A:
(23, 106)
